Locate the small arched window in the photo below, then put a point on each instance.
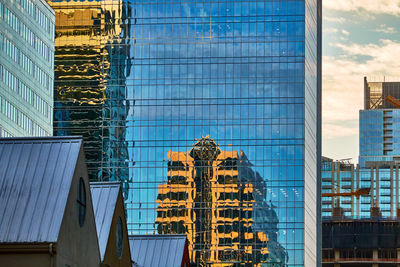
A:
(81, 202)
(120, 237)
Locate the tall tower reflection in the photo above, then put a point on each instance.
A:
(91, 66)
(215, 198)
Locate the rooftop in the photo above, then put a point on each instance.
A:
(35, 180)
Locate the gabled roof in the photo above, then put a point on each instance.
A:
(35, 180)
(157, 250)
(104, 198)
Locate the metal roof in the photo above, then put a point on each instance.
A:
(35, 180)
(104, 198)
(157, 250)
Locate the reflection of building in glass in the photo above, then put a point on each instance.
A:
(379, 123)
(246, 73)
(26, 68)
(91, 68)
(210, 196)
(382, 180)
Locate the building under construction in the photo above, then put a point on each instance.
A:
(360, 203)
(361, 242)
(360, 214)
(351, 191)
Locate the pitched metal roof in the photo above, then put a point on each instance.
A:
(157, 250)
(35, 180)
(104, 198)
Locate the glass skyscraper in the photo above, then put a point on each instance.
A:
(377, 173)
(379, 123)
(149, 82)
(26, 68)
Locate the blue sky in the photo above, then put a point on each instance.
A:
(360, 38)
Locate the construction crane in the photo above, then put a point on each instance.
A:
(357, 193)
(393, 101)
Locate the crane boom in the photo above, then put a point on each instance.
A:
(393, 101)
(357, 193)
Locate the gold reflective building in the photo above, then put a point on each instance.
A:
(89, 90)
(211, 196)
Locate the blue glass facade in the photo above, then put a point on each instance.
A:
(382, 180)
(244, 73)
(379, 135)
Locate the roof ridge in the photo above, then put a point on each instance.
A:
(159, 235)
(41, 138)
(101, 184)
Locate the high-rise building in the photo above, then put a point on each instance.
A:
(378, 168)
(26, 68)
(378, 185)
(360, 203)
(140, 78)
(379, 123)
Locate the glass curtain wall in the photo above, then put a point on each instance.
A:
(144, 81)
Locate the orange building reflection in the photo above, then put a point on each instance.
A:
(206, 198)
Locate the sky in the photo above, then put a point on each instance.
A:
(360, 38)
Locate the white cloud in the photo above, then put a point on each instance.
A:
(345, 32)
(332, 130)
(372, 6)
(331, 30)
(385, 29)
(333, 19)
(343, 84)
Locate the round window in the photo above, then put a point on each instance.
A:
(120, 237)
(81, 202)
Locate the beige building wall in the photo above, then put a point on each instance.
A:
(78, 246)
(25, 255)
(111, 257)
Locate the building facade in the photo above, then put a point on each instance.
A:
(360, 203)
(26, 68)
(361, 243)
(382, 180)
(140, 78)
(379, 123)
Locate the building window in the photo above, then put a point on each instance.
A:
(81, 202)
(120, 237)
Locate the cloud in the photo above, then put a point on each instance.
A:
(385, 29)
(391, 7)
(331, 30)
(332, 130)
(334, 19)
(343, 84)
(345, 32)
